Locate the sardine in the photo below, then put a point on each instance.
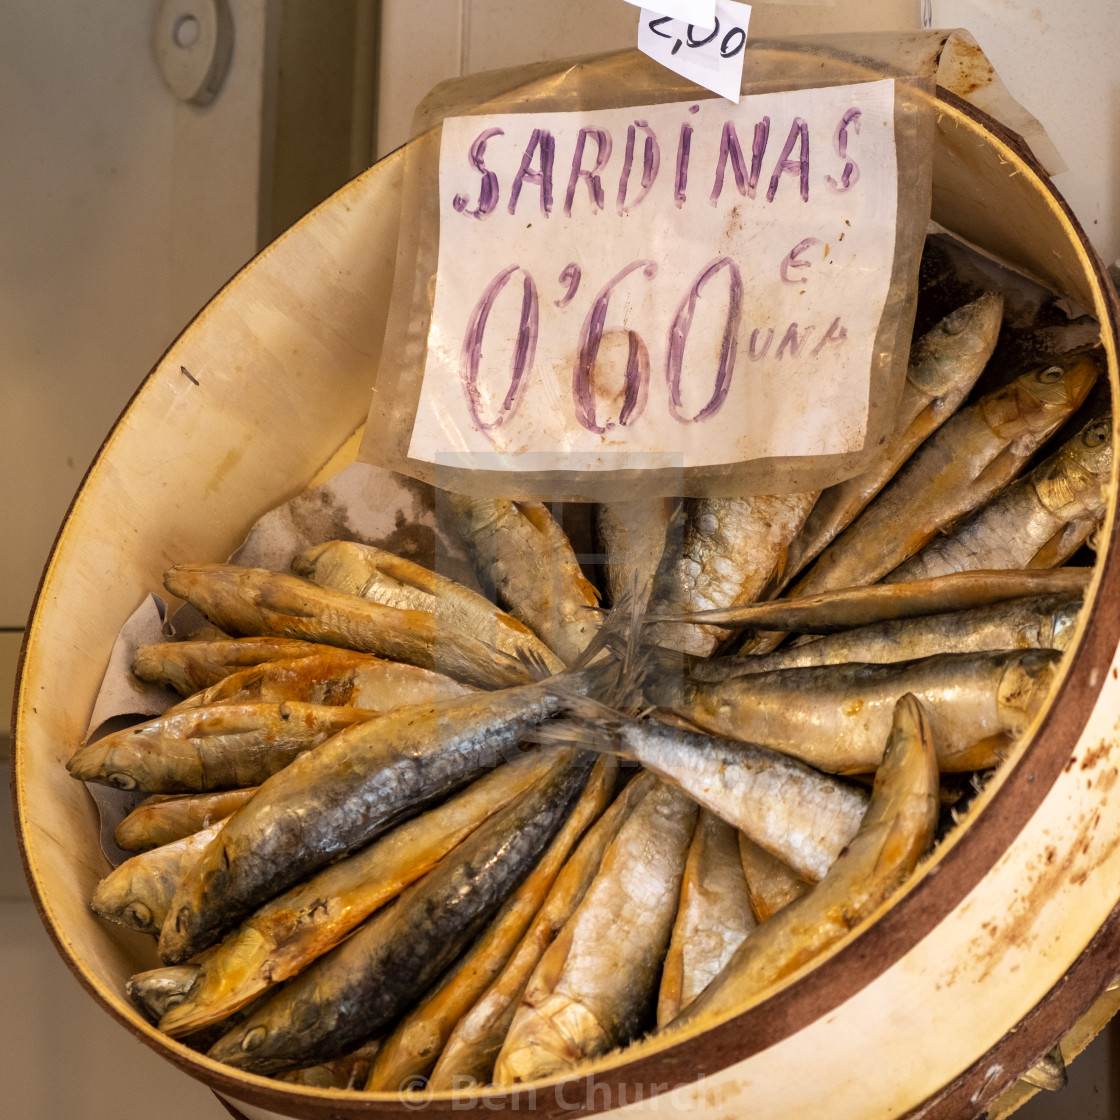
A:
(286, 934)
(971, 457)
(631, 537)
(226, 746)
(334, 676)
(413, 1047)
(473, 1046)
(138, 893)
(362, 985)
(164, 818)
(771, 884)
(595, 987)
(1039, 522)
(713, 918)
(836, 716)
(190, 666)
(381, 577)
(730, 549)
(1038, 622)
(860, 606)
(793, 810)
(895, 834)
(944, 365)
(155, 992)
(518, 549)
(346, 793)
(257, 601)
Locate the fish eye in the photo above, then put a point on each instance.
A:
(138, 915)
(122, 781)
(1096, 435)
(254, 1038)
(1051, 374)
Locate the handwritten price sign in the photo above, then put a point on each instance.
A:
(701, 281)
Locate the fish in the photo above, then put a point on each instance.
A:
(518, 549)
(472, 1048)
(258, 601)
(895, 834)
(595, 986)
(771, 884)
(288, 932)
(970, 458)
(352, 993)
(835, 717)
(1037, 522)
(164, 818)
(377, 575)
(944, 365)
(348, 1072)
(226, 746)
(156, 991)
(631, 537)
(411, 1050)
(332, 676)
(849, 607)
(793, 810)
(730, 549)
(190, 666)
(343, 795)
(714, 916)
(138, 894)
(1035, 622)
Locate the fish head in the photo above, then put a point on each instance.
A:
(1025, 686)
(1072, 482)
(951, 356)
(305, 563)
(1062, 385)
(157, 991)
(120, 898)
(215, 589)
(1063, 623)
(265, 1042)
(116, 760)
(1036, 403)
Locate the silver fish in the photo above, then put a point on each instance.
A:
(944, 365)
(730, 549)
(346, 793)
(1038, 522)
(836, 716)
(360, 987)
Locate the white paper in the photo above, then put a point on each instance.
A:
(787, 255)
(711, 58)
(700, 13)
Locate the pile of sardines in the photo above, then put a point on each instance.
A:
(398, 832)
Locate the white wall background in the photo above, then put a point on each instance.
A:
(125, 210)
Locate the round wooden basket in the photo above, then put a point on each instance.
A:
(1006, 939)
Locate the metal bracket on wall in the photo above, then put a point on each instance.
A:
(193, 45)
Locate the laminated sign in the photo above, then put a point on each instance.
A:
(689, 286)
(699, 280)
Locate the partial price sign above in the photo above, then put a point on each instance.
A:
(709, 54)
(698, 280)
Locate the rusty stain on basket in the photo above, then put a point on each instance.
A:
(1015, 932)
